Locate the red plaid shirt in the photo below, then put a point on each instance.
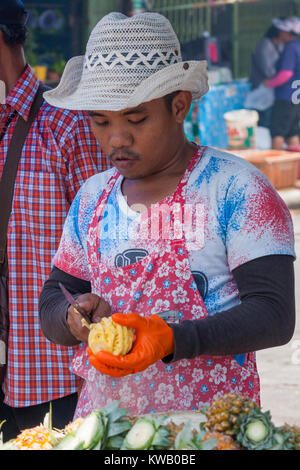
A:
(59, 154)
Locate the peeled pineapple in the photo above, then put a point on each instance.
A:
(109, 336)
(37, 438)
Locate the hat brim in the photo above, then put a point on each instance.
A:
(74, 92)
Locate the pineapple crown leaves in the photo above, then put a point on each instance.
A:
(282, 439)
(161, 439)
(1, 434)
(117, 424)
(204, 410)
(90, 434)
(157, 422)
(156, 436)
(48, 424)
(112, 409)
(256, 430)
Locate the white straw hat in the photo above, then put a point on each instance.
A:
(128, 61)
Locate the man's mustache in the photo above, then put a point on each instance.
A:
(124, 153)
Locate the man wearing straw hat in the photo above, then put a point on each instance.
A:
(189, 246)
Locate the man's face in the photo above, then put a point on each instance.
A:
(139, 141)
(286, 37)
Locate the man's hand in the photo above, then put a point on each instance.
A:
(154, 341)
(94, 306)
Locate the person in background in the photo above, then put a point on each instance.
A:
(285, 118)
(264, 61)
(59, 154)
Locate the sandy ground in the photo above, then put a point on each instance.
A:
(279, 368)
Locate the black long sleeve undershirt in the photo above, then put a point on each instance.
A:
(265, 317)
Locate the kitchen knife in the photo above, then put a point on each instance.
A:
(74, 304)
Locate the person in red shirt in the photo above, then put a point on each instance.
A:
(59, 154)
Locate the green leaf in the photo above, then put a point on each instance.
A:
(111, 407)
(117, 414)
(209, 444)
(70, 442)
(118, 428)
(114, 443)
(184, 438)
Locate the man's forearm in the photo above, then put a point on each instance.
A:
(53, 306)
(265, 317)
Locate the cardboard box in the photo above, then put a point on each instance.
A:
(281, 167)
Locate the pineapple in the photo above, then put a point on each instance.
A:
(224, 412)
(73, 426)
(174, 429)
(223, 441)
(41, 437)
(283, 440)
(87, 435)
(101, 429)
(189, 439)
(108, 335)
(118, 425)
(294, 435)
(37, 438)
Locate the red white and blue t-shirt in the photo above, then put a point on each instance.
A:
(240, 217)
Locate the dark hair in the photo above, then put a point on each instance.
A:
(272, 32)
(169, 98)
(14, 34)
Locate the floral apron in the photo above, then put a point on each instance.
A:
(159, 282)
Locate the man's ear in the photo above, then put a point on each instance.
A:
(181, 105)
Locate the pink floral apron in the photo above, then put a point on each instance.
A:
(159, 282)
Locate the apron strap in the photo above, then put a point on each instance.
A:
(11, 166)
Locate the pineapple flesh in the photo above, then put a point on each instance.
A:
(109, 336)
(37, 438)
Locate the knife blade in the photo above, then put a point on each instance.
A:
(171, 316)
(69, 297)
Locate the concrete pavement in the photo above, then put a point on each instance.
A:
(291, 196)
(279, 368)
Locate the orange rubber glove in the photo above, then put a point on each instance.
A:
(154, 341)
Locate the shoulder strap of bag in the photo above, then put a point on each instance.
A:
(11, 166)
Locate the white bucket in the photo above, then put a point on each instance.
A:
(241, 128)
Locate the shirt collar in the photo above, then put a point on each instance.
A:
(21, 96)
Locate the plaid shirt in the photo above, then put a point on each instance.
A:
(59, 154)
